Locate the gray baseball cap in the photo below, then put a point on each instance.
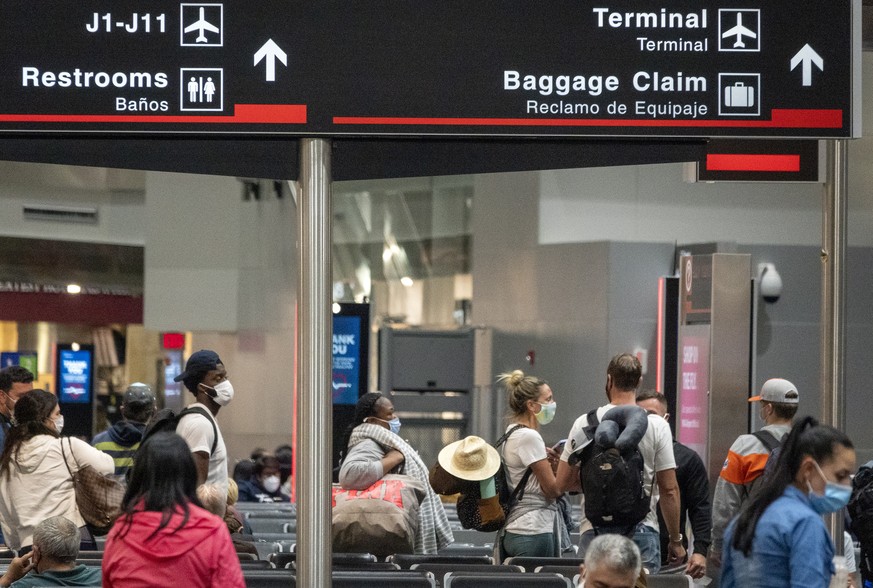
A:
(778, 390)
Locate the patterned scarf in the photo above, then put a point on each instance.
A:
(434, 531)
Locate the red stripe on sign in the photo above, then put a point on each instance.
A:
(752, 162)
(781, 118)
(242, 114)
(811, 119)
(270, 113)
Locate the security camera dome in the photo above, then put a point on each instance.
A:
(769, 282)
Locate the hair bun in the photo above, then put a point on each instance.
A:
(516, 378)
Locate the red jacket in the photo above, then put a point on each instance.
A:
(200, 554)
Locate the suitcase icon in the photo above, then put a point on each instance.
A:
(739, 95)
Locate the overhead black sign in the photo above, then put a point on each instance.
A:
(441, 67)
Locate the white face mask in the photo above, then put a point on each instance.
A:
(223, 393)
(59, 423)
(271, 484)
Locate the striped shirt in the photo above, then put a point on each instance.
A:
(121, 442)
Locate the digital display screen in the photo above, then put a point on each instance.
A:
(346, 373)
(26, 359)
(74, 376)
(693, 402)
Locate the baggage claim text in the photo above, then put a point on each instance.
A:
(642, 81)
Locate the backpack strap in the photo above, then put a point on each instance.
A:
(506, 435)
(581, 442)
(518, 491)
(202, 412)
(768, 439)
(593, 422)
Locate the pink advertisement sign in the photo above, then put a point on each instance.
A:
(692, 426)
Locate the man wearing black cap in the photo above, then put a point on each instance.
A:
(206, 378)
(122, 439)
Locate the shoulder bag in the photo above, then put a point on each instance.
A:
(97, 496)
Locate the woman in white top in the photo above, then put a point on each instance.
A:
(35, 484)
(531, 527)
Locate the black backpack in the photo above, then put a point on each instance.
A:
(468, 504)
(612, 483)
(861, 515)
(774, 446)
(166, 420)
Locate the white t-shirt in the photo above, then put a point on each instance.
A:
(524, 447)
(656, 448)
(197, 433)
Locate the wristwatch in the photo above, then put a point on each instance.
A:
(678, 540)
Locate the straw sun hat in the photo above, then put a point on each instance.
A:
(470, 459)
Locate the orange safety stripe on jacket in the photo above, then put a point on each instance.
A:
(742, 469)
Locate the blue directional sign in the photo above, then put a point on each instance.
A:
(484, 68)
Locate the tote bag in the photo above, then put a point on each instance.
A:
(382, 520)
(98, 497)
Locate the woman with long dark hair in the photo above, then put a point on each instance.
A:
(373, 448)
(779, 540)
(35, 483)
(164, 537)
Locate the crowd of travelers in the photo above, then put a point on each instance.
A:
(641, 490)
(176, 521)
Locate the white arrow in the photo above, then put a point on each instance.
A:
(272, 52)
(807, 56)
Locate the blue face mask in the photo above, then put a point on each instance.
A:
(835, 496)
(393, 424)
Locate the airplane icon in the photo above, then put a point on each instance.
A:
(201, 25)
(739, 31)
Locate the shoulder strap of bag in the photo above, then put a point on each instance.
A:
(518, 491)
(593, 423)
(506, 435)
(768, 439)
(202, 412)
(64, 454)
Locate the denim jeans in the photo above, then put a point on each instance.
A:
(540, 545)
(646, 538)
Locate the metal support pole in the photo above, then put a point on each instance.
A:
(314, 418)
(833, 300)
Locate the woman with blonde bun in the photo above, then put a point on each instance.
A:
(532, 404)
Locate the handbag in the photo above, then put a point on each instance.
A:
(97, 496)
(382, 520)
(481, 514)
